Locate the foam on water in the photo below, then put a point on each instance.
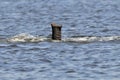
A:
(92, 39)
(23, 37)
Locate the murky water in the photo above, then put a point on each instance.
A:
(60, 60)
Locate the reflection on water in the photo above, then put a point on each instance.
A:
(48, 60)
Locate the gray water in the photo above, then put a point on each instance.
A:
(60, 60)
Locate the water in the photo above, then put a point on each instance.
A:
(49, 60)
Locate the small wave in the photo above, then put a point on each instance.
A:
(23, 37)
(92, 39)
(30, 38)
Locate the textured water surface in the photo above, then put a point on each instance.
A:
(49, 60)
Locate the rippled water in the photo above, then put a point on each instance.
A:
(60, 60)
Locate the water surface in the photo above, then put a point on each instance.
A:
(60, 60)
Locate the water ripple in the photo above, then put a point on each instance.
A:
(89, 49)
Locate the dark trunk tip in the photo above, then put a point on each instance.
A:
(56, 31)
